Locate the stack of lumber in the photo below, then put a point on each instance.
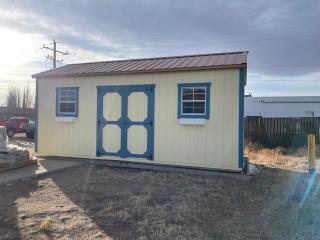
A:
(12, 156)
(15, 157)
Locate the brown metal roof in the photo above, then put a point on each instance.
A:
(160, 64)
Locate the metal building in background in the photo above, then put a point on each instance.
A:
(282, 121)
(282, 107)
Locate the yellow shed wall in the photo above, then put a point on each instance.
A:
(213, 145)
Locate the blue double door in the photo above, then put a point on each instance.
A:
(125, 121)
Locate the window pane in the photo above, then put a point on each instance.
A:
(71, 95)
(199, 90)
(199, 110)
(199, 96)
(63, 109)
(198, 104)
(71, 92)
(71, 109)
(187, 90)
(199, 107)
(63, 98)
(187, 97)
(187, 107)
(187, 110)
(188, 104)
(67, 108)
(72, 98)
(187, 93)
(66, 95)
(63, 105)
(63, 93)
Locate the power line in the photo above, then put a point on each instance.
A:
(53, 57)
(168, 35)
(233, 42)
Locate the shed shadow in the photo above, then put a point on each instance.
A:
(132, 204)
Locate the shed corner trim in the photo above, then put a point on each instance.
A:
(241, 117)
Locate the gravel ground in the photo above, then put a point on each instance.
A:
(88, 202)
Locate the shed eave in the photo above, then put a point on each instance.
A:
(38, 76)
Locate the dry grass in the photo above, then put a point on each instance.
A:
(277, 157)
(46, 224)
(89, 202)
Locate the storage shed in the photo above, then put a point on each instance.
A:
(179, 111)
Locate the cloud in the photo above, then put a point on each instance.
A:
(282, 36)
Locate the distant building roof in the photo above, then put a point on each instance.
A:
(280, 107)
(160, 64)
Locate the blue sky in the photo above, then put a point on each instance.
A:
(282, 37)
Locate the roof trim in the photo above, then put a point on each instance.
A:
(143, 71)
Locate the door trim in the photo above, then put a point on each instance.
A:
(124, 122)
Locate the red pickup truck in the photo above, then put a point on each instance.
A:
(13, 125)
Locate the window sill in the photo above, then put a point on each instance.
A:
(192, 121)
(65, 119)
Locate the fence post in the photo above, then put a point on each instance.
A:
(312, 152)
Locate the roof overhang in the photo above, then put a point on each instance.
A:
(151, 65)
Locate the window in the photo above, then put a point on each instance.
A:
(67, 101)
(194, 100)
(13, 119)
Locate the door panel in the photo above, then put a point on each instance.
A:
(111, 141)
(125, 116)
(112, 106)
(137, 139)
(137, 106)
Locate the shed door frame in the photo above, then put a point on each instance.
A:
(124, 122)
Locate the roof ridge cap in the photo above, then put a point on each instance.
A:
(163, 57)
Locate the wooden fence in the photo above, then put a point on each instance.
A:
(285, 132)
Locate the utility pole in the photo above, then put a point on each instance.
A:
(53, 57)
(54, 53)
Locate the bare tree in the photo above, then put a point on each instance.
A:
(19, 99)
(27, 99)
(13, 98)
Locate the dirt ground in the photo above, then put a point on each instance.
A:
(89, 202)
(95, 202)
